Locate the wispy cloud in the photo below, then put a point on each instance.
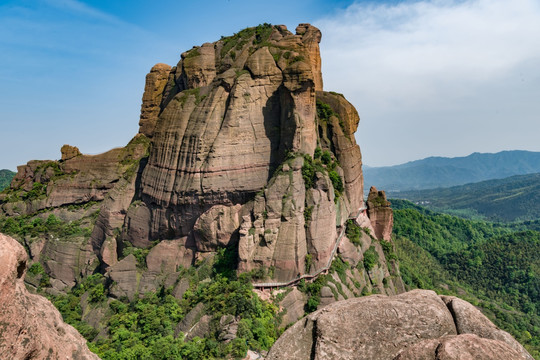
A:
(80, 8)
(436, 66)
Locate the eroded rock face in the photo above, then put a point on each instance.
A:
(380, 214)
(466, 346)
(338, 134)
(229, 115)
(152, 96)
(31, 327)
(413, 325)
(225, 137)
(69, 152)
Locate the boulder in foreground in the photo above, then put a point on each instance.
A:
(30, 326)
(415, 325)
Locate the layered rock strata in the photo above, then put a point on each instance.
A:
(227, 166)
(30, 326)
(238, 147)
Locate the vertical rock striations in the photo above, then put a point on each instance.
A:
(238, 147)
(237, 117)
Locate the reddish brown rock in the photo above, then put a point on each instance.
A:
(168, 256)
(293, 302)
(217, 227)
(339, 135)
(152, 96)
(228, 117)
(67, 259)
(31, 327)
(273, 235)
(76, 180)
(222, 123)
(311, 37)
(198, 66)
(125, 276)
(69, 152)
(380, 214)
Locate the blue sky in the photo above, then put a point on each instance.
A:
(427, 77)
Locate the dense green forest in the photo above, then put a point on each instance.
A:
(516, 198)
(5, 178)
(495, 267)
(436, 172)
(144, 328)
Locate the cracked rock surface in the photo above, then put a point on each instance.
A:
(415, 325)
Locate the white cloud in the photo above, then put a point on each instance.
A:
(416, 70)
(78, 7)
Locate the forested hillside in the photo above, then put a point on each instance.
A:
(436, 172)
(5, 178)
(516, 198)
(488, 264)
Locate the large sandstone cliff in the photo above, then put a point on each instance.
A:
(239, 147)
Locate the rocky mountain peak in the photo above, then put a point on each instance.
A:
(239, 147)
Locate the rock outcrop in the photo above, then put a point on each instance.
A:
(227, 166)
(30, 326)
(152, 97)
(380, 214)
(238, 147)
(413, 325)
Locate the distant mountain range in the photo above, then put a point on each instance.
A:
(438, 172)
(5, 178)
(510, 199)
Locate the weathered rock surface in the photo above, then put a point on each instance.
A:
(69, 152)
(189, 320)
(277, 223)
(338, 135)
(230, 112)
(469, 320)
(125, 277)
(30, 326)
(74, 181)
(218, 162)
(293, 303)
(67, 260)
(406, 326)
(152, 96)
(457, 347)
(380, 214)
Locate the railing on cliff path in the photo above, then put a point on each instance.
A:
(321, 270)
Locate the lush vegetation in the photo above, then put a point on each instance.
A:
(516, 198)
(436, 172)
(491, 265)
(145, 327)
(5, 178)
(33, 226)
(258, 35)
(325, 113)
(323, 162)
